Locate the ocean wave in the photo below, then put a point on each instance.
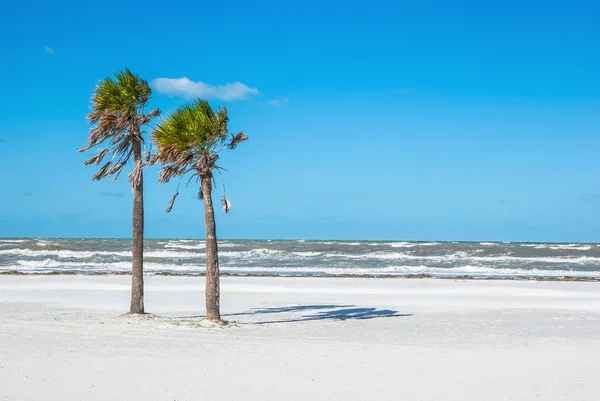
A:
(401, 244)
(467, 270)
(569, 247)
(404, 244)
(47, 243)
(50, 265)
(69, 254)
(572, 247)
(183, 246)
(117, 267)
(466, 256)
(307, 254)
(259, 252)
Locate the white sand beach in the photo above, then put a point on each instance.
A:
(300, 339)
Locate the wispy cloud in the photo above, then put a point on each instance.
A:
(189, 89)
(49, 50)
(278, 102)
(590, 197)
(113, 194)
(268, 217)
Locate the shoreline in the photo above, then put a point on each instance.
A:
(292, 276)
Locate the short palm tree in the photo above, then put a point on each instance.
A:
(189, 141)
(119, 118)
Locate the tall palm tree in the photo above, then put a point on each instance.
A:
(119, 118)
(189, 141)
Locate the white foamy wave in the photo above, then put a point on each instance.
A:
(465, 256)
(402, 245)
(405, 244)
(467, 270)
(487, 243)
(93, 267)
(62, 253)
(183, 246)
(50, 265)
(68, 254)
(574, 247)
(259, 252)
(173, 254)
(307, 254)
(47, 243)
(536, 246)
(197, 245)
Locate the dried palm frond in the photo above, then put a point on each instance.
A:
(102, 172)
(135, 177)
(236, 140)
(172, 201)
(96, 159)
(226, 204)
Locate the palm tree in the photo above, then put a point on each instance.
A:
(119, 118)
(189, 141)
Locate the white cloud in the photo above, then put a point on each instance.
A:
(49, 50)
(277, 102)
(189, 89)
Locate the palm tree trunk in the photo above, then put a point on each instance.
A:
(137, 248)
(212, 256)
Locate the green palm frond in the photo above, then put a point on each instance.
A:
(117, 112)
(125, 95)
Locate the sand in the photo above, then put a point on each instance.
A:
(300, 339)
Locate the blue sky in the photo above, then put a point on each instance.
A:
(424, 120)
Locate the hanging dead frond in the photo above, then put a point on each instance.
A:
(100, 174)
(146, 119)
(171, 202)
(116, 169)
(135, 177)
(96, 159)
(226, 204)
(236, 140)
(170, 171)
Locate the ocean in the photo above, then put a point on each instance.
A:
(307, 258)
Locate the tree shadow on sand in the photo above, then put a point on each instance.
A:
(323, 312)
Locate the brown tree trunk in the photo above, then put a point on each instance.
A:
(212, 257)
(137, 247)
